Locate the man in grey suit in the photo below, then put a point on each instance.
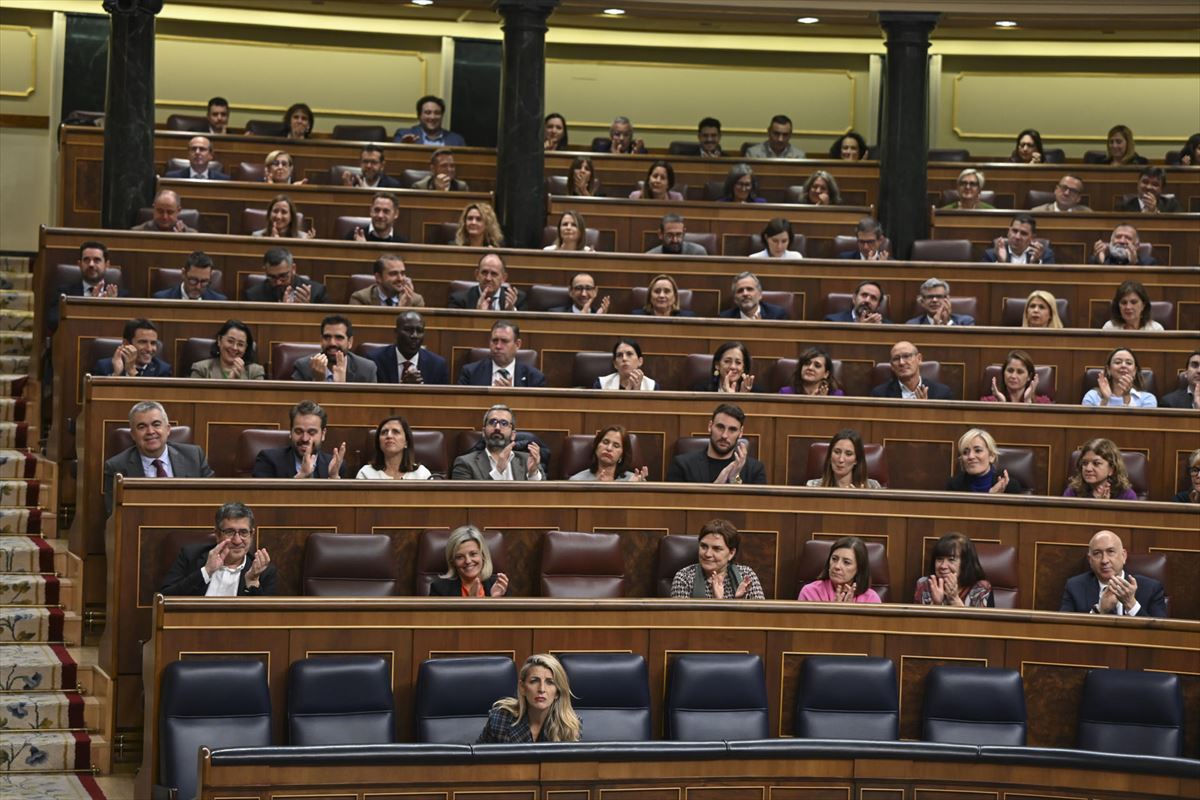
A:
(497, 461)
(335, 363)
(671, 231)
(151, 455)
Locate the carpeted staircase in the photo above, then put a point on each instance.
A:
(53, 712)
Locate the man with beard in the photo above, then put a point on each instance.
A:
(335, 363)
(151, 455)
(498, 460)
(392, 286)
(1149, 198)
(372, 162)
(868, 296)
(708, 133)
(409, 361)
(442, 175)
(302, 457)
(906, 382)
(283, 284)
(218, 115)
(671, 231)
(384, 212)
(748, 302)
(1120, 249)
(93, 265)
(727, 457)
(230, 568)
(502, 368)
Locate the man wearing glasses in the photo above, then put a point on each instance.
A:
(499, 460)
(1067, 194)
(283, 284)
(196, 283)
(583, 294)
(906, 382)
(230, 568)
(935, 300)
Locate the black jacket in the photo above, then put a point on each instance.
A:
(693, 468)
(184, 577)
(280, 462)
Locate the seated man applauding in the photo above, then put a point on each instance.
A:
(935, 299)
(335, 363)
(499, 460)
(1109, 588)
(230, 568)
(137, 355)
(302, 458)
(1020, 246)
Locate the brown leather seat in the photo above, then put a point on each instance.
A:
(588, 366)
(1152, 565)
(1038, 197)
(183, 163)
(930, 371)
(557, 185)
(837, 302)
(344, 226)
(816, 552)
(1019, 462)
(543, 297)
(358, 281)
(956, 154)
(1014, 312)
(264, 127)
(591, 238)
(941, 250)
(714, 190)
(691, 444)
(336, 172)
(168, 277)
(1047, 378)
(255, 219)
(527, 357)
(874, 453)
(639, 294)
(409, 177)
(674, 553)
(844, 244)
(1135, 464)
(958, 305)
(253, 172)
(102, 347)
(349, 565)
(187, 122)
(440, 232)
(120, 439)
(251, 442)
(66, 275)
(756, 243)
(195, 348)
(784, 369)
(173, 540)
(1163, 312)
(1091, 380)
(360, 133)
(429, 450)
(697, 369)
(284, 356)
(431, 556)
(582, 565)
(188, 216)
(577, 454)
(999, 562)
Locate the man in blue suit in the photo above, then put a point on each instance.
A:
(1020, 245)
(200, 168)
(137, 355)
(409, 361)
(934, 297)
(197, 280)
(502, 369)
(748, 302)
(1109, 588)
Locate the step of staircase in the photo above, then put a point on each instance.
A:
(21, 281)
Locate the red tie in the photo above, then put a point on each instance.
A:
(159, 471)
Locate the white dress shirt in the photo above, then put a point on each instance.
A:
(223, 582)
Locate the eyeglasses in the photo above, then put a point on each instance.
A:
(197, 281)
(1193, 470)
(279, 162)
(580, 287)
(1062, 187)
(497, 423)
(933, 297)
(229, 533)
(902, 357)
(969, 184)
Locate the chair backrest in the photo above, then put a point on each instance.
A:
(183, 163)
(255, 219)
(251, 171)
(716, 695)
(848, 697)
(1095, 156)
(360, 133)
(684, 148)
(120, 439)
(527, 357)
(1047, 378)
(640, 293)
(166, 277)
(431, 556)
(543, 297)
(706, 240)
(188, 216)
(941, 250)
(1019, 463)
(264, 127)
(930, 371)
(340, 700)
(344, 226)
(454, 696)
(1038, 197)
(251, 442)
(612, 695)
(582, 565)
(690, 444)
(577, 454)
(1152, 565)
(191, 715)
(591, 238)
(1054, 155)
(193, 349)
(1014, 311)
(999, 562)
(1130, 712)
(1135, 465)
(284, 356)
(713, 190)
(440, 233)
(588, 366)
(974, 705)
(874, 452)
(674, 553)
(336, 171)
(949, 154)
(1163, 312)
(187, 122)
(784, 370)
(349, 565)
(754, 243)
(96, 349)
(1091, 379)
(837, 302)
(815, 553)
(429, 446)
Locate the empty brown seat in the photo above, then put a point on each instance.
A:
(409, 177)
(440, 232)
(336, 172)
(697, 369)
(251, 442)
(876, 457)
(431, 556)
(999, 562)
(1135, 465)
(344, 227)
(816, 552)
(543, 297)
(941, 250)
(167, 277)
(195, 348)
(360, 133)
(956, 154)
(582, 565)
(577, 454)
(674, 553)
(1047, 378)
(349, 565)
(284, 356)
(588, 366)
(1038, 197)
(1014, 312)
(1152, 565)
(187, 122)
(264, 127)
(837, 302)
(1163, 312)
(96, 349)
(1019, 463)
(1091, 379)
(251, 171)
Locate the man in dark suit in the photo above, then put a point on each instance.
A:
(372, 163)
(727, 457)
(199, 168)
(302, 457)
(493, 292)
(409, 361)
(499, 460)
(502, 369)
(218, 115)
(137, 355)
(335, 363)
(230, 568)
(1121, 249)
(283, 285)
(1020, 245)
(1150, 198)
(934, 297)
(197, 277)
(906, 382)
(620, 139)
(748, 302)
(151, 455)
(93, 263)
(167, 206)
(442, 174)
(872, 244)
(1189, 395)
(1108, 588)
(384, 212)
(583, 294)
(868, 296)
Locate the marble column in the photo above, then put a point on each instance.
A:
(128, 182)
(520, 187)
(904, 135)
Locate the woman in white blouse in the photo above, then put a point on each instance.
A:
(572, 233)
(627, 361)
(394, 457)
(777, 241)
(1130, 310)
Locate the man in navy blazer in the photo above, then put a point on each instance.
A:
(868, 296)
(137, 354)
(872, 244)
(1020, 245)
(197, 280)
(302, 457)
(1108, 588)
(748, 302)
(409, 361)
(906, 382)
(200, 156)
(502, 369)
(93, 263)
(934, 298)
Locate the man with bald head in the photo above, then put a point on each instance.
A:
(201, 166)
(906, 382)
(166, 215)
(1108, 589)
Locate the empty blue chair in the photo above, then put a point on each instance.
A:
(974, 705)
(717, 696)
(611, 695)
(341, 700)
(1138, 713)
(848, 697)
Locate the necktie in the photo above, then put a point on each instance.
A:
(159, 470)
(394, 300)
(502, 374)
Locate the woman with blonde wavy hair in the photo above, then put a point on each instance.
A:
(478, 227)
(541, 711)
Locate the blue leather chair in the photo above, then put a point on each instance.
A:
(848, 697)
(713, 696)
(208, 703)
(612, 695)
(1135, 713)
(454, 696)
(974, 705)
(341, 700)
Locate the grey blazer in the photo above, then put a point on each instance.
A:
(187, 461)
(211, 368)
(358, 370)
(475, 466)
